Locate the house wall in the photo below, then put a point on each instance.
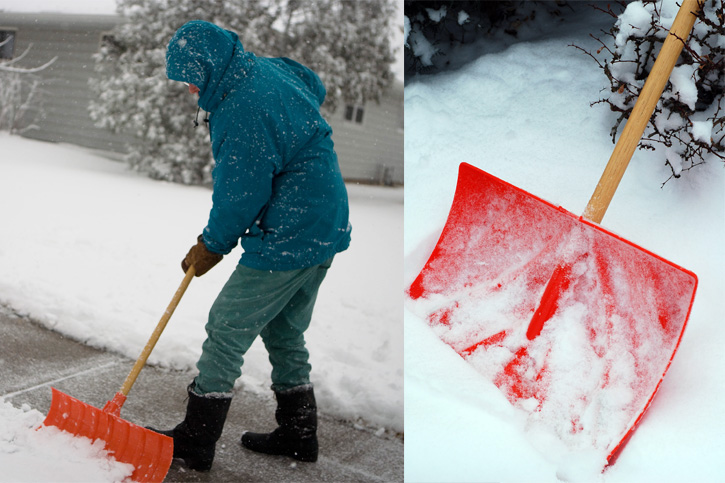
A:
(370, 152)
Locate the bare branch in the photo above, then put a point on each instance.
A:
(27, 70)
(587, 53)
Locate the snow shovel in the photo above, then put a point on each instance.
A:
(576, 325)
(149, 452)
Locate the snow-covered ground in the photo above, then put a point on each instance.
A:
(523, 114)
(93, 251)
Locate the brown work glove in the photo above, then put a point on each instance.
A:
(202, 259)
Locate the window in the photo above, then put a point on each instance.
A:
(7, 44)
(354, 113)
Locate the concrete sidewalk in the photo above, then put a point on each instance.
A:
(32, 359)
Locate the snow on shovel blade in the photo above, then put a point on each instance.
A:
(591, 368)
(150, 453)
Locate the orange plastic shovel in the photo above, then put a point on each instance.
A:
(575, 324)
(149, 452)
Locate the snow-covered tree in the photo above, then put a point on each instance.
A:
(688, 125)
(345, 42)
(348, 44)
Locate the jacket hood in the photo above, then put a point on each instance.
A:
(200, 53)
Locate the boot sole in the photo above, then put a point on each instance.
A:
(304, 456)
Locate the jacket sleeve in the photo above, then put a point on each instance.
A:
(243, 176)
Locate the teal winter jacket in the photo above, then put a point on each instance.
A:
(277, 182)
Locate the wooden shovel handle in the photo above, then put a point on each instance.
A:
(643, 109)
(141, 361)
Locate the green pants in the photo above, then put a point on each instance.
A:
(274, 305)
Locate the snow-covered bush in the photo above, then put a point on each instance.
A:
(21, 93)
(686, 128)
(346, 43)
(432, 29)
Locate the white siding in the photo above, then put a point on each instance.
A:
(73, 39)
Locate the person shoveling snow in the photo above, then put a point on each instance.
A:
(278, 188)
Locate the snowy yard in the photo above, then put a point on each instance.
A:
(93, 252)
(523, 114)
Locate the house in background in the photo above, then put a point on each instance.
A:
(368, 139)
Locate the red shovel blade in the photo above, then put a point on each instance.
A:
(150, 453)
(575, 324)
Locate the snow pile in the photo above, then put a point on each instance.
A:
(31, 453)
(436, 15)
(524, 115)
(635, 21)
(683, 84)
(93, 251)
(702, 131)
(420, 46)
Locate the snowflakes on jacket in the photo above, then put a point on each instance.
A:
(277, 182)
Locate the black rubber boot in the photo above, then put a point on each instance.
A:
(296, 435)
(195, 438)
